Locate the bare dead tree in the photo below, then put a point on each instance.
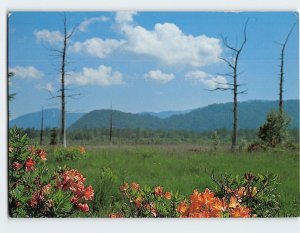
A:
(42, 128)
(62, 54)
(234, 87)
(281, 75)
(110, 125)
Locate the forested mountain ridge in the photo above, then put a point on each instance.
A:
(251, 115)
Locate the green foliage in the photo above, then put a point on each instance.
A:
(258, 192)
(105, 191)
(147, 202)
(275, 130)
(69, 153)
(32, 188)
(53, 137)
(215, 139)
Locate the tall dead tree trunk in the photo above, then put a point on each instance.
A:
(281, 75)
(233, 65)
(110, 126)
(42, 128)
(62, 54)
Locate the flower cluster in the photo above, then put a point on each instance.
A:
(73, 180)
(155, 202)
(207, 205)
(34, 191)
(146, 202)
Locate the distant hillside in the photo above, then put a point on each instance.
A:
(101, 119)
(51, 119)
(251, 115)
(166, 114)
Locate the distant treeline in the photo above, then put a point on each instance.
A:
(146, 136)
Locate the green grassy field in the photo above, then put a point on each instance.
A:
(182, 168)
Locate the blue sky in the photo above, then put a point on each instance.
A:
(147, 61)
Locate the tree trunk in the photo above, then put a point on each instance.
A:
(63, 104)
(42, 128)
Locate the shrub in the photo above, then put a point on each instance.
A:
(70, 153)
(34, 191)
(259, 193)
(155, 202)
(275, 130)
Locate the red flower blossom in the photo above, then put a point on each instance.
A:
(42, 154)
(16, 165)
(83, 207)
(88, 193)
(124, 187)
(158, 191)
(135, 186)
(29, 164)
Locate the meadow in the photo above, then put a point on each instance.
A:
(180, 168)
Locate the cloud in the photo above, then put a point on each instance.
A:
(97, 47)
(168, 43)
(102, 76)
(29, 72)
(86, 23)
(50, 37)
(123, 17)
(206, 79)
(158, 77)
(47, 87)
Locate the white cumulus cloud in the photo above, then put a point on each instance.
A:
(158, 76)
(101, 76)
(124, 16)
(97, 47)
(50, 37)
(28, 72)
(168, 43)
(47, 87)
(83, 26)
(206, 79)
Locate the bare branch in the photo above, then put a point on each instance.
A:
(227, 62)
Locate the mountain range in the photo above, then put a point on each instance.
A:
(251, 115)
(51, 119)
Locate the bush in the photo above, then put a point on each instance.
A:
(155, 202)
(259, 193)
(34, 191)
(275, 130)
(70, 153)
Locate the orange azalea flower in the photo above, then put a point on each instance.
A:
(208, 195)
(196, 197)
(88, 193)
(46, 189)
(240, 192)
(16, 165)
(124, 187)
(138, 202)
(168, 195)
(240, 212)
(31, 149)
(82, 150)
(42, 154)
(29, 164)
(219, 206)
(182, 208)
(158, 191)
(83, 207)
(233, 202)
(135, 186)
(116, 215)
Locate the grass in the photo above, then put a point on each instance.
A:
(182, 168)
